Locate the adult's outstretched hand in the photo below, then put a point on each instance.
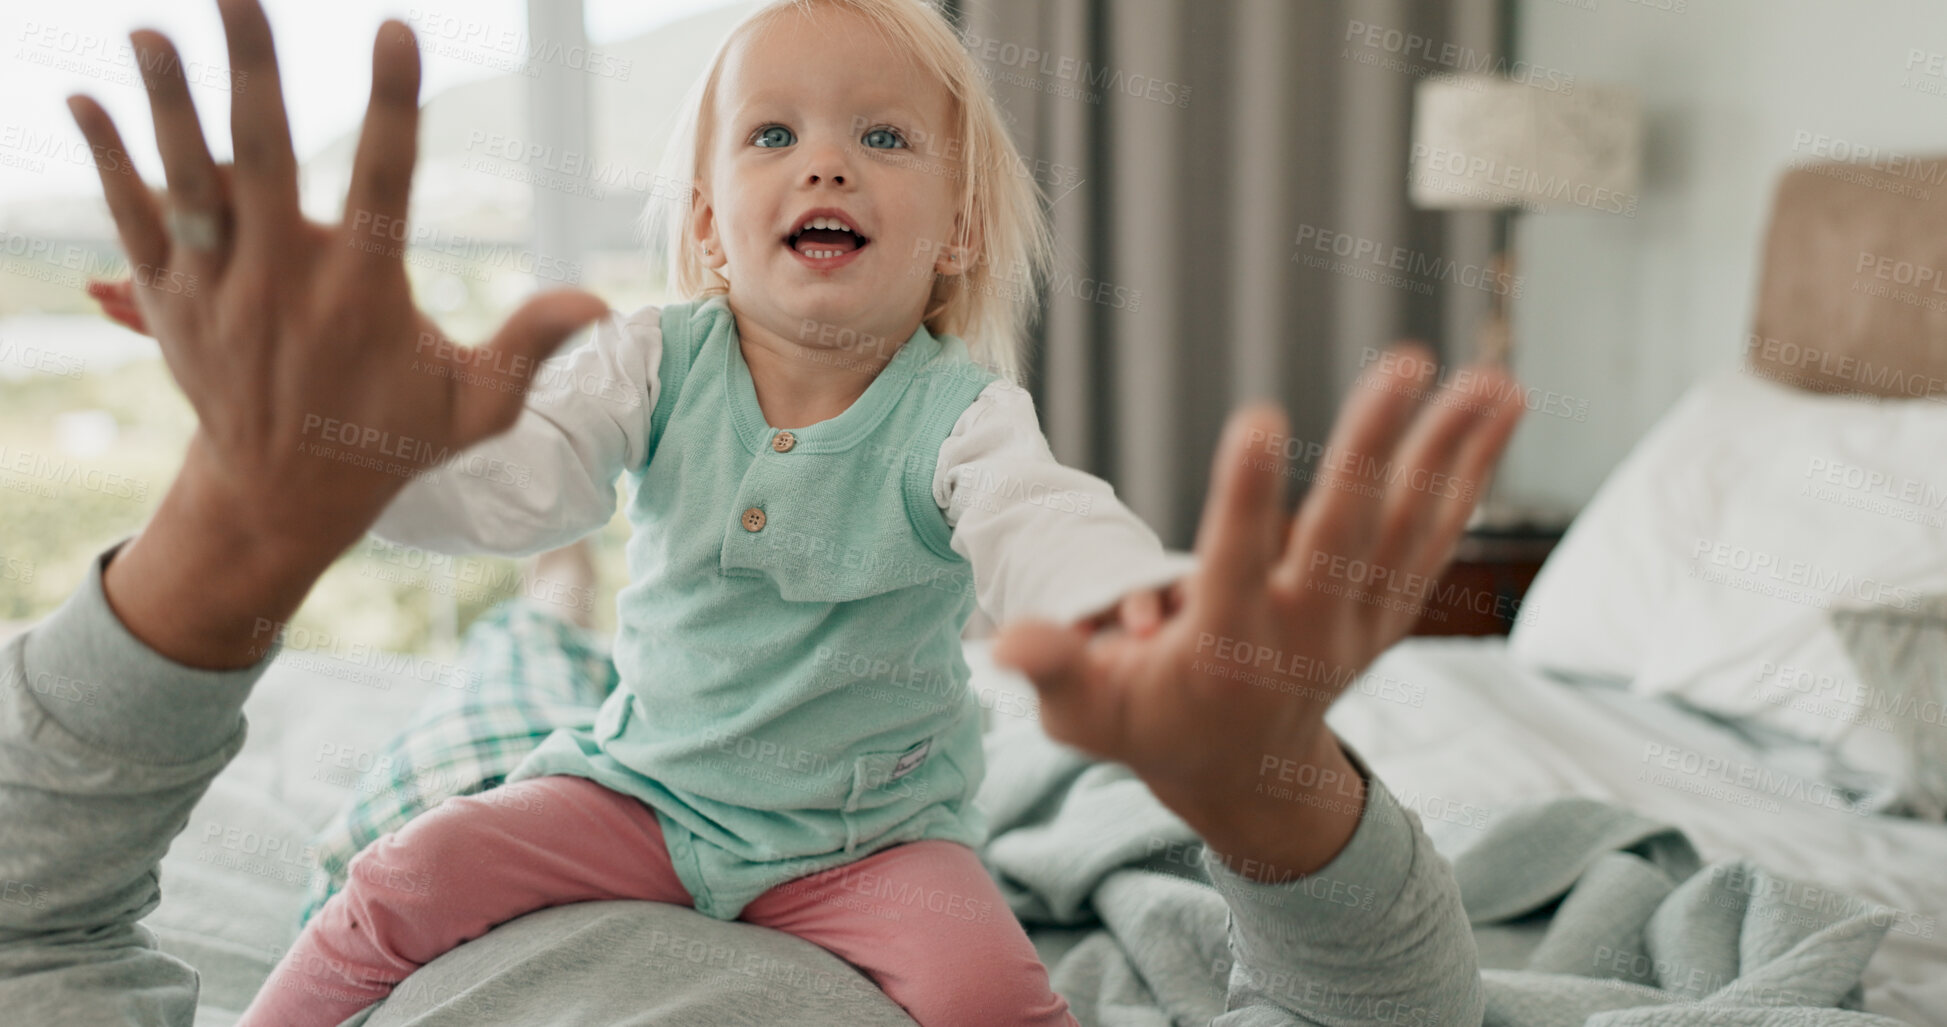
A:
(319, 389)
(1220, 708)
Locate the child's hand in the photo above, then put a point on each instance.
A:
(1139, 613)
(117, 300)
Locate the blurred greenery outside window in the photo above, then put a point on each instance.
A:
(89, 442)
(92, 428)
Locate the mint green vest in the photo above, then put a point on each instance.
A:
(793, 695)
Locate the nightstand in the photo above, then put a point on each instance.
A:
(1481, 592)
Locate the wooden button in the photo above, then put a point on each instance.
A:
(783, 441)
(753, 519)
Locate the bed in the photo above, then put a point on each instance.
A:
(1492, 733)
(1459, 728)
(1460, 731)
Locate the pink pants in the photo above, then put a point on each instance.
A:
(472, 862)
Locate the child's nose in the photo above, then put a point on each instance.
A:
(826, 164)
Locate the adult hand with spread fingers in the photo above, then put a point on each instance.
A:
(319, 389)
(1220, 707)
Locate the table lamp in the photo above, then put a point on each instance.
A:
(1484, 142)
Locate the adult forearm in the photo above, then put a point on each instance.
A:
(105, 747)
(1295, 815)
(1377, 935)
(211, 578)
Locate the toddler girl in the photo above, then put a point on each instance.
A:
(829, 463)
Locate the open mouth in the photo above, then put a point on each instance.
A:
(825, 236)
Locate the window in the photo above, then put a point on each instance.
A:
(91, 427)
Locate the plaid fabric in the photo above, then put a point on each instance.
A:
(527, 672)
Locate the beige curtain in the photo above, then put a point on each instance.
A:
(1216, 142)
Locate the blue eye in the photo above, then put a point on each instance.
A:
(884, 139)
(771, 136)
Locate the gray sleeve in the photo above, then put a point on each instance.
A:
(105, 746)
(1376, 936)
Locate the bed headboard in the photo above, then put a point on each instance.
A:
(1853, 296)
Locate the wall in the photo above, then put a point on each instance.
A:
(1626, 313)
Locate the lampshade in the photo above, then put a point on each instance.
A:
(1482, 142)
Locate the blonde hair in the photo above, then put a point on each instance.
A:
(1003, 231)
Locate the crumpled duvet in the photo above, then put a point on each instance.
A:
(1595, 915)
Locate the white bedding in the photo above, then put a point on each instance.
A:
(1488, 733)
(1454, 727)
(233, 881)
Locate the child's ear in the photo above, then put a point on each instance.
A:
(955, 258)
(703, 225)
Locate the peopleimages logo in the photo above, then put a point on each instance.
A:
(1884, 378)
(1413, 46)
(1410, 262)
(1891, 162)
(1008, 54)
(1490, 179)
(1771, 574)
(508, 49)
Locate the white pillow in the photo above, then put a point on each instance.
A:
(1706, 567)
(1594, 604)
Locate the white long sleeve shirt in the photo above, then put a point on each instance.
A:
(1044, 540)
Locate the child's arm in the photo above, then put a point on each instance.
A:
(1045, 540)
(544, 483)
(551, 478)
